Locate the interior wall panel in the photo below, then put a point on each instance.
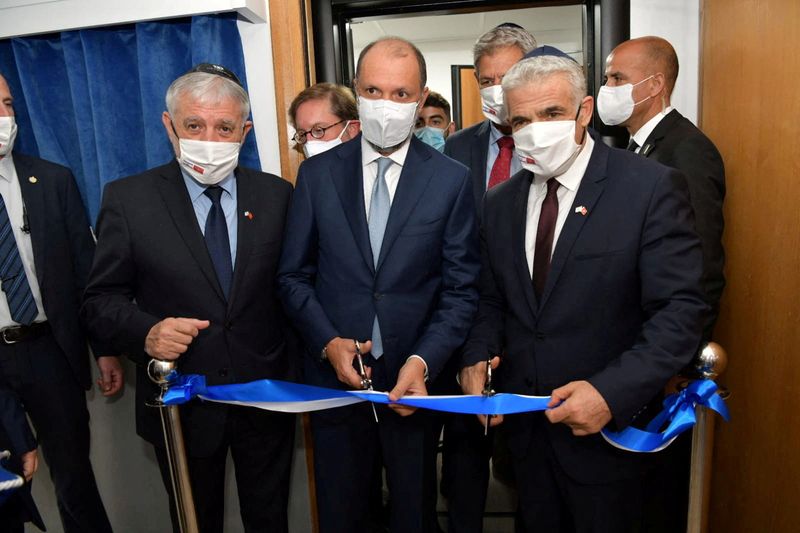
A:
(750, 64)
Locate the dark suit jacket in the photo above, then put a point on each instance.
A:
(62, 252)
(424, 290)
(16, 437)
(152, 263)
(470, 147)
(678, 143)
(622, 306)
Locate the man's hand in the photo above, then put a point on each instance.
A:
(30, 463)
(473, 380)
(341, 354)
(111, 375)
(410, 382)
(172, 336)
(582, 408)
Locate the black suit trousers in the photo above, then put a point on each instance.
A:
(38, 371)
(260, 444)
(349, 445)
(550, 501)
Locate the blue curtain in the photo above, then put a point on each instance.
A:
(92, 99)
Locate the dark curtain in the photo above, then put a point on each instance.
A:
(92, 99)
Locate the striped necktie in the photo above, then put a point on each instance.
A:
(12, 274)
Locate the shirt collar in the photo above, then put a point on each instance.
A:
(495, 134)
(7, 169)
(369, 154)
(644, 132)
(571, 178)
(196, 189)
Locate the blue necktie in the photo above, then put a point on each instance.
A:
(12, 273)
(217, 241)
(378, 215)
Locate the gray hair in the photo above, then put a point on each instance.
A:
(206, 88)
(502, 37)
(539, 68)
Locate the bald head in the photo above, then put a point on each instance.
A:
(394, 48)
(653, 55)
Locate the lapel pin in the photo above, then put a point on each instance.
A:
(582, 210)
(249, 215)
(33, 179)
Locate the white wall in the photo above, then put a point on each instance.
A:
(28, 17)
(677, 21)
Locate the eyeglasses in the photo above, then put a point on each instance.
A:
(318, 132)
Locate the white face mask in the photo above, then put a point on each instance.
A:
(8, 133)
(314, 147)
(615, 104)
(208, 162)
(385, 123)
(547, 148)
(492, 104)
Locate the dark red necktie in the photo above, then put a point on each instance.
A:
(544, 237)
(501, 170)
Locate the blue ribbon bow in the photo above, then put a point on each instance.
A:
(678, 414)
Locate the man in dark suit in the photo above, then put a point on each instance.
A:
(489, 144)
(381, 244)
(487, 148)
(184, 270)
(647, 68)
(590, 291)
(16, 437)
(47, 251)
(641, 75)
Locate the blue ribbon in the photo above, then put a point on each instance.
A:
(678, 413)
(9, 482)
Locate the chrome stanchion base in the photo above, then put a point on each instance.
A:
(159, 372)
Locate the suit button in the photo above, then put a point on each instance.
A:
(229, 325)
(377, 296)
(223, 372)
(528, 382)
(539, 336)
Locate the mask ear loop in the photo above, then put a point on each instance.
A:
(346, 125)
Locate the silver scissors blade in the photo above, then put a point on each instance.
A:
(366, 382)
(487, 392)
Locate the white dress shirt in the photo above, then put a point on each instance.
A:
(12, 196)
(569, 181)
(369, 169)
(644, 132)
(369, 164)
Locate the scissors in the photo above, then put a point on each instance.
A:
(488, 391)
(366, 382)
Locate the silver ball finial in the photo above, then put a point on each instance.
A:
(711, 361)
(158, 371)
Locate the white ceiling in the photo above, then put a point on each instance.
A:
(541, 21)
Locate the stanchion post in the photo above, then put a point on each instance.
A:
(710, 362)
(159, 372)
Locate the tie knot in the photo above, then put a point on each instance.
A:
(552, 186)
(632, 145)
(383, 165)
(506, 142)
(214, 193)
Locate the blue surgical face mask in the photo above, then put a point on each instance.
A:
(431, 136)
